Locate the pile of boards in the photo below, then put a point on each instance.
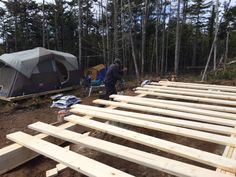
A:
(198, 111)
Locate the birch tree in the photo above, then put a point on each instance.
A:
(144, 25)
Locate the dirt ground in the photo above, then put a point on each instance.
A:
(16, 117)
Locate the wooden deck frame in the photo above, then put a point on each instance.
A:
(15, 155)
(225, 164)
(130, 154)
(203, 107)
(189, 98)
(161, 119)
(178, 114)
(229, 99)
(190, 90)
(196, 86)
(195, 134)
(67, 157)
(148, 102)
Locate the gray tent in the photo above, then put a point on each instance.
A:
(36, 70)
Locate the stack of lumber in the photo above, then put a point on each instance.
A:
(197, 111)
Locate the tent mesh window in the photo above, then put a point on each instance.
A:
(62, 71)
(7, 76)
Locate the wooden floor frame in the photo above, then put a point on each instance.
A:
(207, 118)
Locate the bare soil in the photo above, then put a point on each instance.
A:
(16, 117)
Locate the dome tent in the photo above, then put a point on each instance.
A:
(36, 70)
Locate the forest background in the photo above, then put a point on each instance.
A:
(150, 36)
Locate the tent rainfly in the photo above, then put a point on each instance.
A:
(36, 70)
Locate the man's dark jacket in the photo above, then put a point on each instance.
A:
(113, 74)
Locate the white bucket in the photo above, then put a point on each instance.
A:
(61, 114)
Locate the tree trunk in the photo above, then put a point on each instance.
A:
(103, 37)
(177, 41)
(163, 40)
(226, 49)
(115, 25)
(16, 26)
(156, 37)
(167, 46)
(217, 23)
(132, 42)
(108, 41)
(80, 35)
(123, 34)
(214, 41)
(43, 23)
(144, 24)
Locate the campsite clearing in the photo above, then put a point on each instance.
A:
(185, 149)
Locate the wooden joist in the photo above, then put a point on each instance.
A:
(222, 109)
(197, 86)
(69, 158)
(230, 99)
(191, 90)
(189, 98)
(14, 155)
(167, 146)
(195, 134)
(17, 98)
(166, 120)
(148, 102)
(59, 167)
(204, 122)
(126, 153)
(182, 115)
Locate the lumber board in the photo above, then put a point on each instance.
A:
(14, 155)
(178, 114)
(146, 102)
(51, 173)
(17, 98)
(195, 94)
(190, 90)
(130, 154)
(54, 171)
(187, 104)
(164, 145)
(199, 86)
(229, 152)
(3, 98)
(191, 98)
(59, 167)
(195, 134)
(69, 158)
(166, 120)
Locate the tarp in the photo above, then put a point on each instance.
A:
(97, 72)
(25, 61)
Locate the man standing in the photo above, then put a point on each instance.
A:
(113, 75)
